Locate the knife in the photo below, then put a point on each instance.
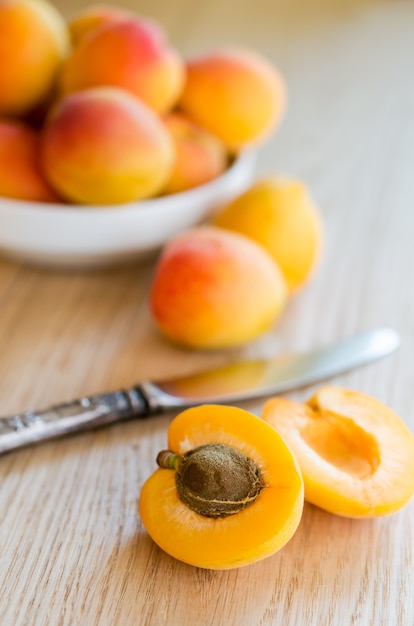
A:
(240, 381)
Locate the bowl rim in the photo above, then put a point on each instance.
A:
(158, 203)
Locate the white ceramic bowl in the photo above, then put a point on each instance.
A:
(74, 236)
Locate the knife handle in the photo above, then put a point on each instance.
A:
(89, 412)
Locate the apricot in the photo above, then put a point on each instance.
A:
(215, 289)
(97, 15)
(34, 40)
(93, 17)
(199, 155)
(280, 215)
(356, 455)
(129, 54)
(20, 176)
(103, 146)
(236, 94)
(228, 491)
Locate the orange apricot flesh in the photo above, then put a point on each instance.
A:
(356, 455)
(243, 537)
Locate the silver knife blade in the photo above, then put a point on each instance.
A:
(237, 382)
(249, 380)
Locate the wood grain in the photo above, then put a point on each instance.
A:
(73, 551)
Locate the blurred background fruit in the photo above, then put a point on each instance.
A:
(199, 155)
(236, 94)
(20, 175)
(34, 41)
(131, 54)
(279, 214)
(103, 146)
(216, 289)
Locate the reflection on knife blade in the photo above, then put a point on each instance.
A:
(231, 383)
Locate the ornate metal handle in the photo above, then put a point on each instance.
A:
(89, 412)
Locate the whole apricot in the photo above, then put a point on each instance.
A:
(130, 54)
(280, 215)
(103, 146)
(20, 176)
(34, 40)
(199, 155)
(215, 289)
(236, 94)
(356, 455)
(228, 491)
(93, 17)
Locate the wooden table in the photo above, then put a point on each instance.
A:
(73, 550)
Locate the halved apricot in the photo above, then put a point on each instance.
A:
(356, 455)
(229, 491)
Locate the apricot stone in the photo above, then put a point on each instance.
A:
(236, 94)
(281, 216)
(199, 155)
(130, 54)
(20, 176)
(215, 289)
(34, 40)
(103, 146)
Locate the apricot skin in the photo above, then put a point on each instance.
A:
(250, 535)
(280, 215)
(355, 454)
(103, 146)
(34, 40)
(129, 54)
(93, 17)
(215, 289)
(236, 94)
(199, 155)
(20, 176)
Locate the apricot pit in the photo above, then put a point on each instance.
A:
(214, 480)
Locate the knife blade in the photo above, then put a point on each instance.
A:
(237, 382)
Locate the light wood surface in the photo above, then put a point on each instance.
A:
(73, 551)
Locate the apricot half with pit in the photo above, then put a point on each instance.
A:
(356, 454)
(228, 491)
